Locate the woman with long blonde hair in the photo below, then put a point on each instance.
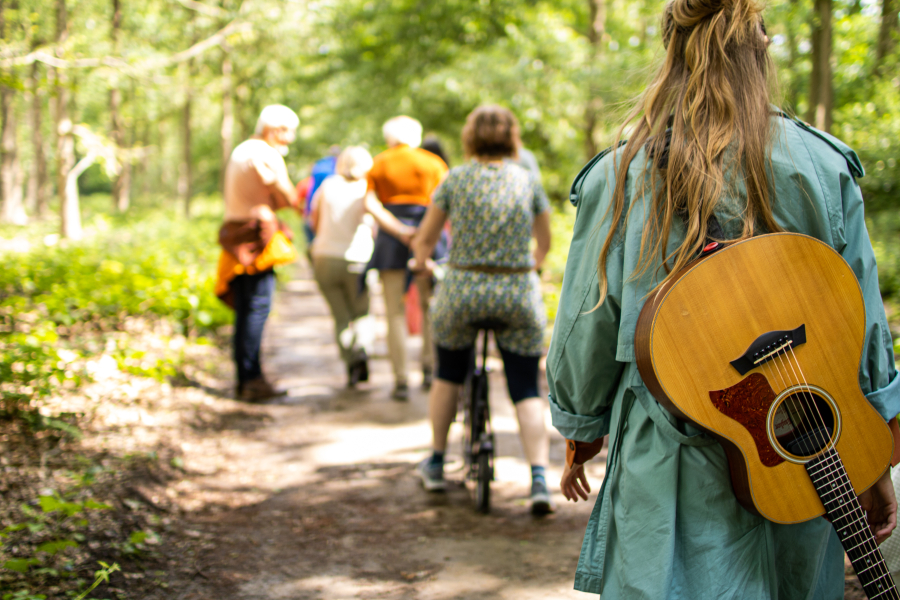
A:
(707, 158)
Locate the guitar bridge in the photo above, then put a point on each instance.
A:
(768, 346)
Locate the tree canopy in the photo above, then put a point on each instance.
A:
(172, 85)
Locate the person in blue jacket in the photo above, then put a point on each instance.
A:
(321, 170)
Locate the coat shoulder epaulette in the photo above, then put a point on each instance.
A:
(837, 145)
(575, 190)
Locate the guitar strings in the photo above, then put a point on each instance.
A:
(808, 400)
(858, 523)
(772, 367)
(805, 413)
(831, 440)
(796, 402)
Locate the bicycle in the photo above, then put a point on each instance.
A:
(478, 438)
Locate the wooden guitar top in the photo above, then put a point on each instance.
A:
(689, 333)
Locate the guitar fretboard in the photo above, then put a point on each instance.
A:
(842, 506)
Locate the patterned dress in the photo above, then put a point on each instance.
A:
(491, 208)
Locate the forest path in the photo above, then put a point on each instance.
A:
(317, 496)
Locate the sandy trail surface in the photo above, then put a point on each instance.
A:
(317, 496)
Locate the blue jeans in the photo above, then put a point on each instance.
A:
(252, 301)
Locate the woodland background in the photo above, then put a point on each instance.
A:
(116, 119)
(160, 91)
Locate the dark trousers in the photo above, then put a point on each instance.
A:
(252, 301)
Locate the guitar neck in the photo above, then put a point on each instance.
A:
(843, 510)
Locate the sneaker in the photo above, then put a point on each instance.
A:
(541, 503)
(259, 389)
(357, 372)
(427, 378)
(401, 392)
(432, 476)
(364, 370)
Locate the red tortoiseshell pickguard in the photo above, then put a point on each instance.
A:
(748, 403)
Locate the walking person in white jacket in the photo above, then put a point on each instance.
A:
(340, 251)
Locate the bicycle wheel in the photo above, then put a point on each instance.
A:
(481, 418)
(483, 484)
(465, 406)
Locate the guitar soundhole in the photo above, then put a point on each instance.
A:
(803, 423)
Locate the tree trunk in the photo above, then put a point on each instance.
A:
(70, 212)
(793, 90)
(120, 190)
(161, 174)
(596, 33)
(13, 210)
(71, 191)
(11, 173)
(226, 134)
(227, 131)
(186, 184)
(36, 198)
(889, 15)
(142, 167)
(820, 85)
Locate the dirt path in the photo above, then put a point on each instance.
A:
(317, 497)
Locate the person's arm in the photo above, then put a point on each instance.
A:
(574, 482)
(275, 177)
(540, 229)
(427, 236)
(582, 371)
(541, 232)
(877, 376)
(880, 505)
(285, 193)
(315, 208)
(388, 222)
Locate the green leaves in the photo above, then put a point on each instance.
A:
(155, 268)
(20, 565)
(52, 548)
(101, 576)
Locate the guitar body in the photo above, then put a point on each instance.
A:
(741, 304)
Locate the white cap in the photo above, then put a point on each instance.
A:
(402, 130)
(276, 115)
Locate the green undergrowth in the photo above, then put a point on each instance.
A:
(135, 296)
(150, 270)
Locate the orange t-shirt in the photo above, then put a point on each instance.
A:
(405, 175)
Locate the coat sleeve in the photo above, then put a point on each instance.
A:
(582, 370)
(877, 373)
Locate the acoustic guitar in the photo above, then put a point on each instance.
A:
(759, 343)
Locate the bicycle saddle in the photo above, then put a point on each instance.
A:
(489, 325)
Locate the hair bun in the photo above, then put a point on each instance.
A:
(687, 13)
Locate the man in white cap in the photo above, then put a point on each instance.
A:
(253, 240)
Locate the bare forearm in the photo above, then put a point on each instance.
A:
(541, 232)
(429, 233)
(387, 221)
(285, 195)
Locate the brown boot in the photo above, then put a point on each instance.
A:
(259, 389)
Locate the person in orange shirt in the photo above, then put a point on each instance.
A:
(400, 185)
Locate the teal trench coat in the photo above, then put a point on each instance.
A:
(666, 524)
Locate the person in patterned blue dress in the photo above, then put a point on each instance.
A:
(495, 207)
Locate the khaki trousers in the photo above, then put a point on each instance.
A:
(338, 280)
(394, 283)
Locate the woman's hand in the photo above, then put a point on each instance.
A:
(574, 483)
(405, 234)
(420, 268)
(880, 505)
